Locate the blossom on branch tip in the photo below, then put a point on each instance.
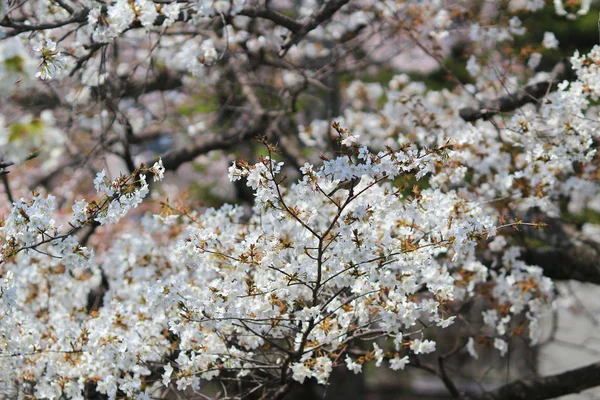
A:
(158, 170)
(422, 346)
(53, 63)
(397, 363)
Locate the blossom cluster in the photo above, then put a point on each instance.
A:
(52, 61)
(325, 270)
(383, 243)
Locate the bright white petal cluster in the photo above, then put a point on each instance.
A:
(550, 41)
(53, 63)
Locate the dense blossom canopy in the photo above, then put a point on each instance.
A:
(379, 220)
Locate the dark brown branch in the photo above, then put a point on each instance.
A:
(37, 98)
(173, 159)
(7, 186)
(446, 379)
(273, 16)
(79, 17)
(547, 387)
(530, 94)
(322, 15)
(165, 80)
(579, 261)
(93, 49)
(64, 5)
(5, 164)
(281, 392)
(566, 253)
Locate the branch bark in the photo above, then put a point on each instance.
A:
(567, 253)
(578, 261)
(530, 94)
(173, 159)
(323, 14)
(78, 17)
(547, 387)
(273, 16)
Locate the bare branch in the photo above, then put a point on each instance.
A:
(273, 16)
(547, 387)
(78, 17)
(175, 158)
(322, 15)
(577, 261)
(567, 253)
(530, 94)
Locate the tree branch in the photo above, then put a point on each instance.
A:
(530, 94)
(322, 15)
(547, 387)
(566, 252)
(273, 16)
(173, 159)
(77, 17)
(578, 261)
(165, 80)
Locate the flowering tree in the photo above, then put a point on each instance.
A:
(385, 211)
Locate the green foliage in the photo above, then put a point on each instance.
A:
(202, 104)
(580, 34)
(587, 215)
(15, 63)
(19, 131)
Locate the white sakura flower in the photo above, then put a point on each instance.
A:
(353, 366)
(120, 16)
(143, 396)
(52, 61)
(146, 11)
(550, 41)
(471, 348)
(501, 345)
(399, 363)
(422, 346)
(490, 317)
(158, 170)
(99, 183)
(8, 292)
(444, 323)
(559, 8)
(534, 60)
(210, 55)
(93, 15)
(516, 26)
(323, 368)
(235, 173)
(497, 244)
(378, 355)
(350, 140)
(80, 213)
(300, 372)
(398, 341)
(501, 328)
(472, 67)
(307, 168)
(221, 6)
(171, 11)
(166, 377)
(535, 332)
